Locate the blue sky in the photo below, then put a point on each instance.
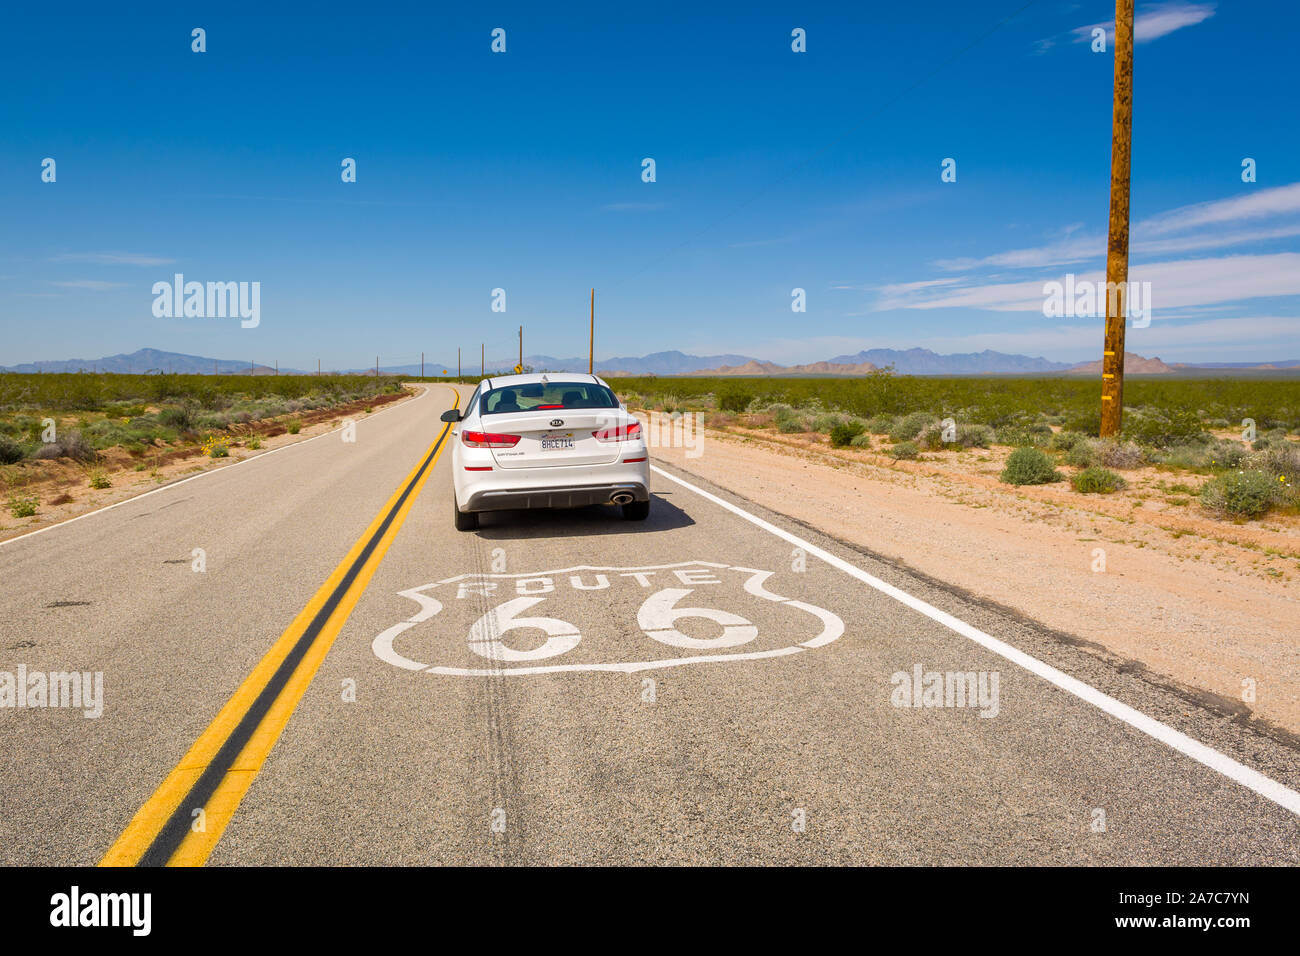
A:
(522, 170)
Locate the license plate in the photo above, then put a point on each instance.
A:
(557, 442)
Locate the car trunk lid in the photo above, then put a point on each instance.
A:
(550, 437)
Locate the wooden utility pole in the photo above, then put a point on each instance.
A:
(421, 365)
(482, 358)
(318, 368)
(250, 366)
(458, 362)
(277, 366)
(591, 338)
(376, 366)
(1112, 362)
(521, 348)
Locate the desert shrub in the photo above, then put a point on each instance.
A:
(1216, 455)
(21, 506)
(844, 433)
(179, 417)
(964, 436)
(908, 427)
(1097, 481)
(825, 421)
(974, 436)
(1190, 457)
(733, 400)
(10, 450)
(70, 444)
(1118, 454)
(1084, 422)
(295, 426)
(1064, 440)
(1029, 466)
(931, 437)
(215, 446)
(880, 424)
(1021, 434)
(255, 443)
(1239, 494)
(1279, 460)
(1162, 428)
(99, 479)
(1226, 454)
(1082, 454)
(905, 449)
(861, 441)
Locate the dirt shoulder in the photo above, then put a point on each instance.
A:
(1207, 605)
(62, 487)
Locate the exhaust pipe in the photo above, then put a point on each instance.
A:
(622, 498)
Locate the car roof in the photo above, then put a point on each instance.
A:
(505, 381)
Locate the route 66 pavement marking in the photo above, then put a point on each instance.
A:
(656, 619)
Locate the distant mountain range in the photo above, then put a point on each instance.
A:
(150, 360)
(754, 367)
(905, 362)
(925, 362)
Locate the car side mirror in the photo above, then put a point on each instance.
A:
(451, 415)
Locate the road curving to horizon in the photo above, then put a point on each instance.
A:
(351, 681)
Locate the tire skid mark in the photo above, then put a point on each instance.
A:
(498, 737)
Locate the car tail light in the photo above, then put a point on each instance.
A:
(632, 461)
(478, 467)
(629, 432)
(488, 440)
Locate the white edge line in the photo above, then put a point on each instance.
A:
(205, 474)
(1252, 780)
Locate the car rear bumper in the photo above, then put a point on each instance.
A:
(563, 496)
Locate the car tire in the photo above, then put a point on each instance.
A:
(637, 511)
(465, 520)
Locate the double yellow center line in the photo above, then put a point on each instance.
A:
(181, 823)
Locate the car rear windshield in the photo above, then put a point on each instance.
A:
(549, 396)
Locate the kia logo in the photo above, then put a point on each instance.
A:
(557, 422)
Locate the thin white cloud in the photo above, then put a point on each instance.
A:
(1057, 253)
(113, 258)
(1201, 340)
(1188, 282)
(1269, 337)
(1211, 241)
(1255, 205)
(1152, 22)
(1266, 203)
(902, 288)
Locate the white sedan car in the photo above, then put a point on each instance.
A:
(558, 440)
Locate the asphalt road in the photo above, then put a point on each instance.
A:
(290, 704)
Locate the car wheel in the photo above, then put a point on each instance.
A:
(637, 511)
(465, 520)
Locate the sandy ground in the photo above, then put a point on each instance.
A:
(1210, 607)
(63, 487)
